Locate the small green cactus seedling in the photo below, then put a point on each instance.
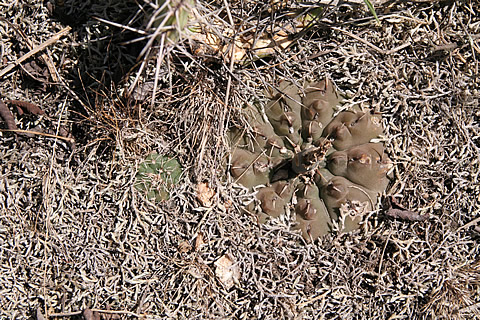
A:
(319, 164)
(157, 175)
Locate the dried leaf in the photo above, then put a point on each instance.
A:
(39, 314)
(261, 46)
(395, 210)
(227, 272)
(143, 91)
(205, 194)
(88, 314)
(199, 241)
(184, 247)
(26, 106)
(195, 272)
(228, 204)
(7, 116)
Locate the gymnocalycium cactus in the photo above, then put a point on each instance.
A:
(156, 176)
(323, 167)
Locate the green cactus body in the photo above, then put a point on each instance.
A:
(173, 14)
(157, 175)
(320, 165)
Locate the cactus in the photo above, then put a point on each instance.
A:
(171, 16)
(365, 164)
(271, 203)
(340, 170)
(157, 175)
(311, 214)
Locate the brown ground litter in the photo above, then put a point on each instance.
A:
(77, 238)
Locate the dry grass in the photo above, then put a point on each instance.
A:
(75, 233)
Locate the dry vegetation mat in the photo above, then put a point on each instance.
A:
(80, 115)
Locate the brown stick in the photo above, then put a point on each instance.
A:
(37, 49)
(31, 46)
(29, 133)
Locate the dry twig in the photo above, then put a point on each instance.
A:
(35, 50)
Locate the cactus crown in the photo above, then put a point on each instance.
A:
(157, 175)
(320, 165)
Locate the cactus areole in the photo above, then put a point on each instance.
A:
(301, 155)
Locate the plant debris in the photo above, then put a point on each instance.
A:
(88, 314)
(27, 106)
(75, 233)
(227, 271)
(7, 116)
(395, 210)
(205, 194)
